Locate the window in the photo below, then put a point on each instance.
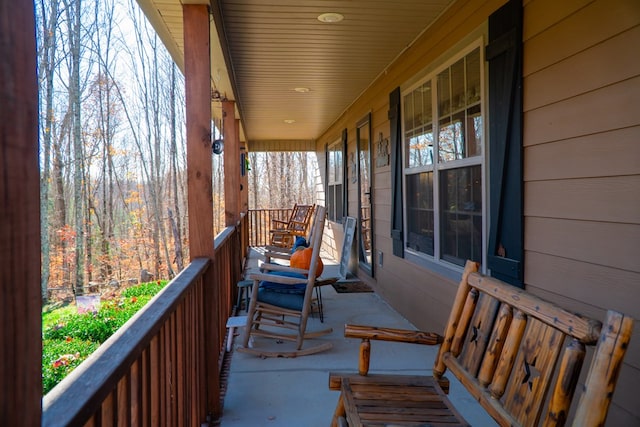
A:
(443, 132)
(335, 171)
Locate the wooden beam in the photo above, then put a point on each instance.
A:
(20, 299)
(244, 200)
(199, 185)
(231, 164)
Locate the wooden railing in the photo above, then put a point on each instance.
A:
(158, 370)
(260, 224)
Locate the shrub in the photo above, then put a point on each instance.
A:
(60, 357)
(69, 337)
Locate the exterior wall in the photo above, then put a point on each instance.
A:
(581, 165)
(421, 295)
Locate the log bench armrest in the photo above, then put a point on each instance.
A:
(368, 333)
(391, 334)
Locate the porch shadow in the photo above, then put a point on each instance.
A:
(294, 391)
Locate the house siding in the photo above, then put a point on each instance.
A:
(581, 136)
(582, 165)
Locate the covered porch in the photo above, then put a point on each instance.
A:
(294, 391)
(569, 234)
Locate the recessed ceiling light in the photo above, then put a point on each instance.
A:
(302, 89)
(289, 121)
(330, 17)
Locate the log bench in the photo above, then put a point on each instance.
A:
(519, 356)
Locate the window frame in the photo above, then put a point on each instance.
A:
(335, 178)
(437, 167)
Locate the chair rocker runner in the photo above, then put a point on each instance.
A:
(283, 233)
(281, 303)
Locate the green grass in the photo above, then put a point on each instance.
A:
(68, 338)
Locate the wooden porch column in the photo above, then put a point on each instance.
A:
(231, 164)
(244, 201)
(20, 306)
(199, 186)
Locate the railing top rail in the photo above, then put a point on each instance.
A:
(81, 393)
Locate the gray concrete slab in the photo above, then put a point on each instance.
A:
(294, 391)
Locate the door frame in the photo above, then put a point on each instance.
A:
(367, 266)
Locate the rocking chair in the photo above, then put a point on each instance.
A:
(281, 303)
(283, 233)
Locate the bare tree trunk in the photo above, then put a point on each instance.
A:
(254, 179)
(177, 241)
(177, 237)
(47, 61)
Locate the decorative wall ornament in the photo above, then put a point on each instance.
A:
(382, 152)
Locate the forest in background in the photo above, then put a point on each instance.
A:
(112, 151)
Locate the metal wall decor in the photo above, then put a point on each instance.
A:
(382, 151)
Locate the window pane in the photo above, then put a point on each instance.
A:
(461, 228)
(420, 212)
(419, 130)
(331, 169)
(444, 94)
(458, 99)
(450, 138)
(459, 112)
(331, 203)
(473, 77)
(408, 111)
(338, 162)
(334, 167)
(474, 131)
(338, 202)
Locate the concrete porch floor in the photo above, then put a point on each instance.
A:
(294, 391)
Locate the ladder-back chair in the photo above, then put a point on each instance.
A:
(281, 303)
(283, 233)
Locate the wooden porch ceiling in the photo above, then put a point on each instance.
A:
(262, 51)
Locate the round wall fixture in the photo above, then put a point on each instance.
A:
(330, 17)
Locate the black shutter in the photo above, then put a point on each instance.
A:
(328, 202)
(396, 173)
(506, 231)
(345, 207)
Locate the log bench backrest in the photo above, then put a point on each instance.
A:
(521, 356)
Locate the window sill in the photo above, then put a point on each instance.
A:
(445, 269)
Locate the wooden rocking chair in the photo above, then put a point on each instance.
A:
(281, 303)
(282, 256)
(283, 233)
(273, 252)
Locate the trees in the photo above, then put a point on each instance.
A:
(281, 179)
(113, 150)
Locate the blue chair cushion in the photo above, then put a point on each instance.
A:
(281, 295)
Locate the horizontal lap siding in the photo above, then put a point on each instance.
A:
(420, 295)
(582, 165)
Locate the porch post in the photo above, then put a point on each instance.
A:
(20, 306)
(231, 164)
(199, 185)
(244, 202)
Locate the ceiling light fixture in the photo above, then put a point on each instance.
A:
(330, 17)
(302, 89)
